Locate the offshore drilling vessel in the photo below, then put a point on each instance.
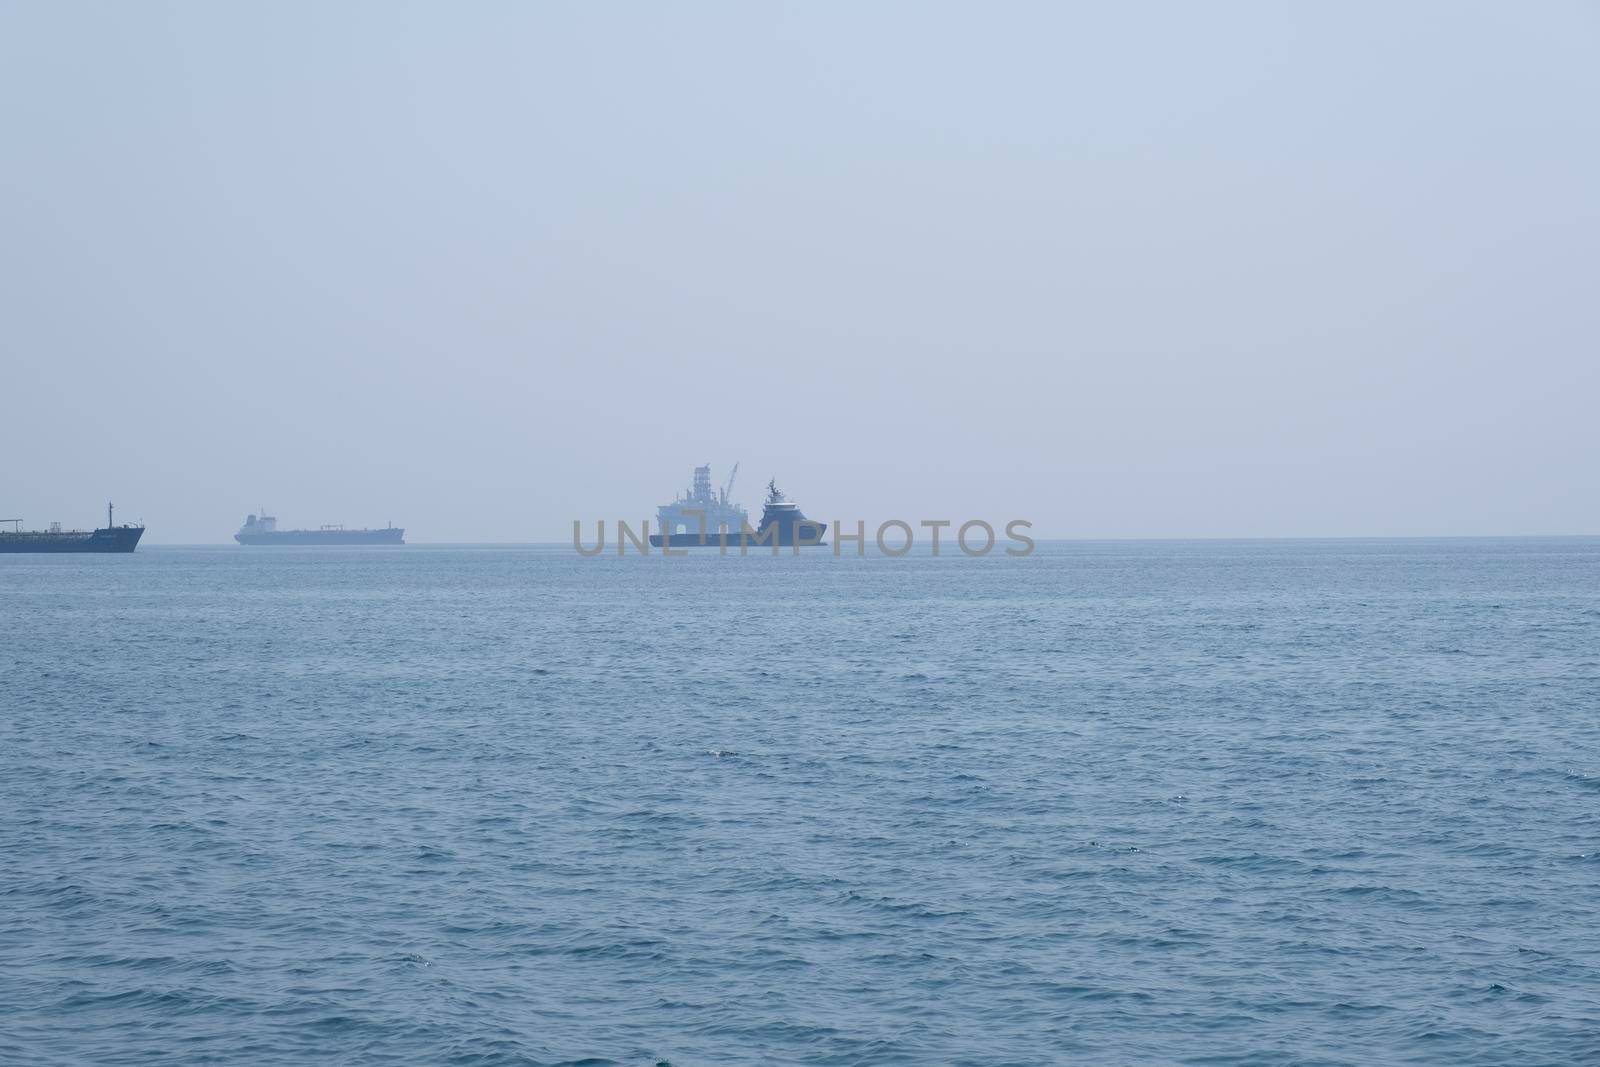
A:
(698, 517)
(695, 516)
(263, 530)
(112, 538)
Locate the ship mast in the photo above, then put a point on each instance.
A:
(109, 523)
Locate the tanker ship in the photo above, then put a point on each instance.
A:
(112, 538)
(263, 530)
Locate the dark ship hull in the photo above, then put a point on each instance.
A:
(111, 539)
(783, 536)
(393, 535)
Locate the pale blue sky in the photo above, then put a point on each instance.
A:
(1122, 269)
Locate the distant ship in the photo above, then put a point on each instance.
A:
(263, 530)
(701, 514)
(112, 538)
(700, 508)
(790, 521)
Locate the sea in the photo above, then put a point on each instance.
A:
(1209, 802)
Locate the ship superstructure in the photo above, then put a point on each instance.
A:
(790, 522)
(111, 538)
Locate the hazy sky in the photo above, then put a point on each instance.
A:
(1125, 270)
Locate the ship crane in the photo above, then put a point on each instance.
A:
(729, 487)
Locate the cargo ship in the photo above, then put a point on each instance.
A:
(704, 516)
(263, 530)
(112, 538)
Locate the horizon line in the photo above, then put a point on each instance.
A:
(1040, 540)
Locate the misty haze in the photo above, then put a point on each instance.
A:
(479, 270)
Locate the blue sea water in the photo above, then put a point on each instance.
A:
(1223, 802)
